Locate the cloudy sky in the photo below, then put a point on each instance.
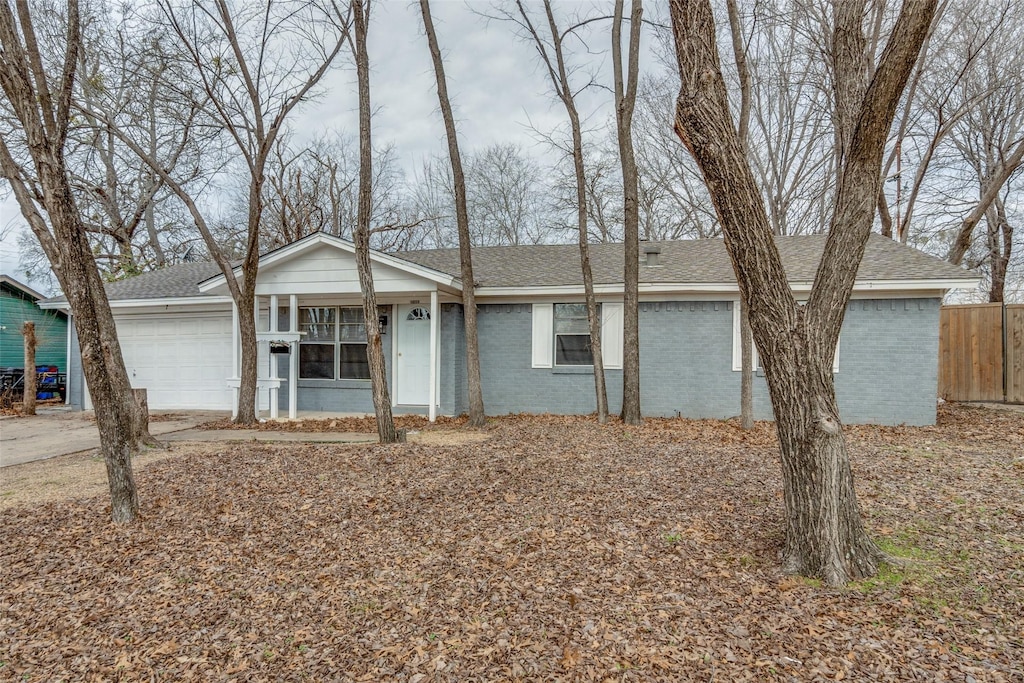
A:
(499, 93)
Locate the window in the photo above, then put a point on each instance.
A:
(737, 354)
(572, 335)
(333, 345)
(561, 335)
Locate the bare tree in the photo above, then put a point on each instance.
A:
(625, 103)
(739, 51)
(32, 161)
(825, 536)
(28, 401)
(361, 233)
(254, 64)
(552, 57)
(476, 397)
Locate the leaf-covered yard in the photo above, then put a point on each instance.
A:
(554, 550)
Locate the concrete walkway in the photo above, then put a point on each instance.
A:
(60, 431)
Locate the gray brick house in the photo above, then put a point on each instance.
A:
(178, 333)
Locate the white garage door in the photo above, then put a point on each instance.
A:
(182, 361)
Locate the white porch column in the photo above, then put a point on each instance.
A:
(293, 358)
(256, 324)
(273, 358)
(432, 412)
(236, 343)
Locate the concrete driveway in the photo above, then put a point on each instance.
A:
(59, 431)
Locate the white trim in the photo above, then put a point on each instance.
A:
(612, 334)
(67, 363)
(272, 358)
(394, 353)
(148, 303)
(236, 343)
(293, 357)
(434, 327)
(320, 238)
(543, 347)
(652, 288)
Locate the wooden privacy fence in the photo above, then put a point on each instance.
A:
(981, 353)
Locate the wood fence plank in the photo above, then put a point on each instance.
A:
(1015, 353)
(971, 352)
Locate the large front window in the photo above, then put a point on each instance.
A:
(333, 345)
(572, 335)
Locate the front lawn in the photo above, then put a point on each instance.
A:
(555, 549)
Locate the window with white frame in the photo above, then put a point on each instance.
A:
(572, 335)
(333, 343)
(561, 335)
(737, 353)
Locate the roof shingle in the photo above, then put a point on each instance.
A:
(682, 262)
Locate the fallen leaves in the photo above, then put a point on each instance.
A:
(557, 549)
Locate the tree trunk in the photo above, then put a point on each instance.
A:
(1000, 248)
(44, 115)
(824, 534)
(476, 399)
(361, 235)
(739, 52)
(625, 102)
(746, 369)
(247, 388)
(28, 400)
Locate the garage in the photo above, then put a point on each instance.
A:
(182, 361)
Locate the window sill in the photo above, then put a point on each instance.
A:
(572, 370)
(335, 383)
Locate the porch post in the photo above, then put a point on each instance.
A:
(236, 343)
(273, 359)
(256, 324)
(432, 412)
(293, 358)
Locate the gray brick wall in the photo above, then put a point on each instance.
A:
(887, 367)
(510, 385)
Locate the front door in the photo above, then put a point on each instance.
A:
(412, 364)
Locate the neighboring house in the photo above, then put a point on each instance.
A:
(179, 338)
(18, 305)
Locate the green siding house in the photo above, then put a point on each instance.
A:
(18, 304)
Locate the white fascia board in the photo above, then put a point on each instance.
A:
(295, 248)
(149, 303)
(654, 289)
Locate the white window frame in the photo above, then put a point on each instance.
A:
(543, 336)
(737, 352)
(337, 343)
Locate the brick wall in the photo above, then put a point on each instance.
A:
(887, 366)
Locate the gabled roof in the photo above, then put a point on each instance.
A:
(316, 239)
(27, 292)
(683, 263)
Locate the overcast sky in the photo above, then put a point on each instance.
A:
(498, 91)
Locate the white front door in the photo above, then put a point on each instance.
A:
(412, 363)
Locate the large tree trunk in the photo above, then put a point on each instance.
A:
(476, 398)
(625, 102)
(824, 534)
(361, 235)
(28, 398)
(43, 114)
(739, 52)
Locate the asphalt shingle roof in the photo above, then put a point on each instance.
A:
(682, 262)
